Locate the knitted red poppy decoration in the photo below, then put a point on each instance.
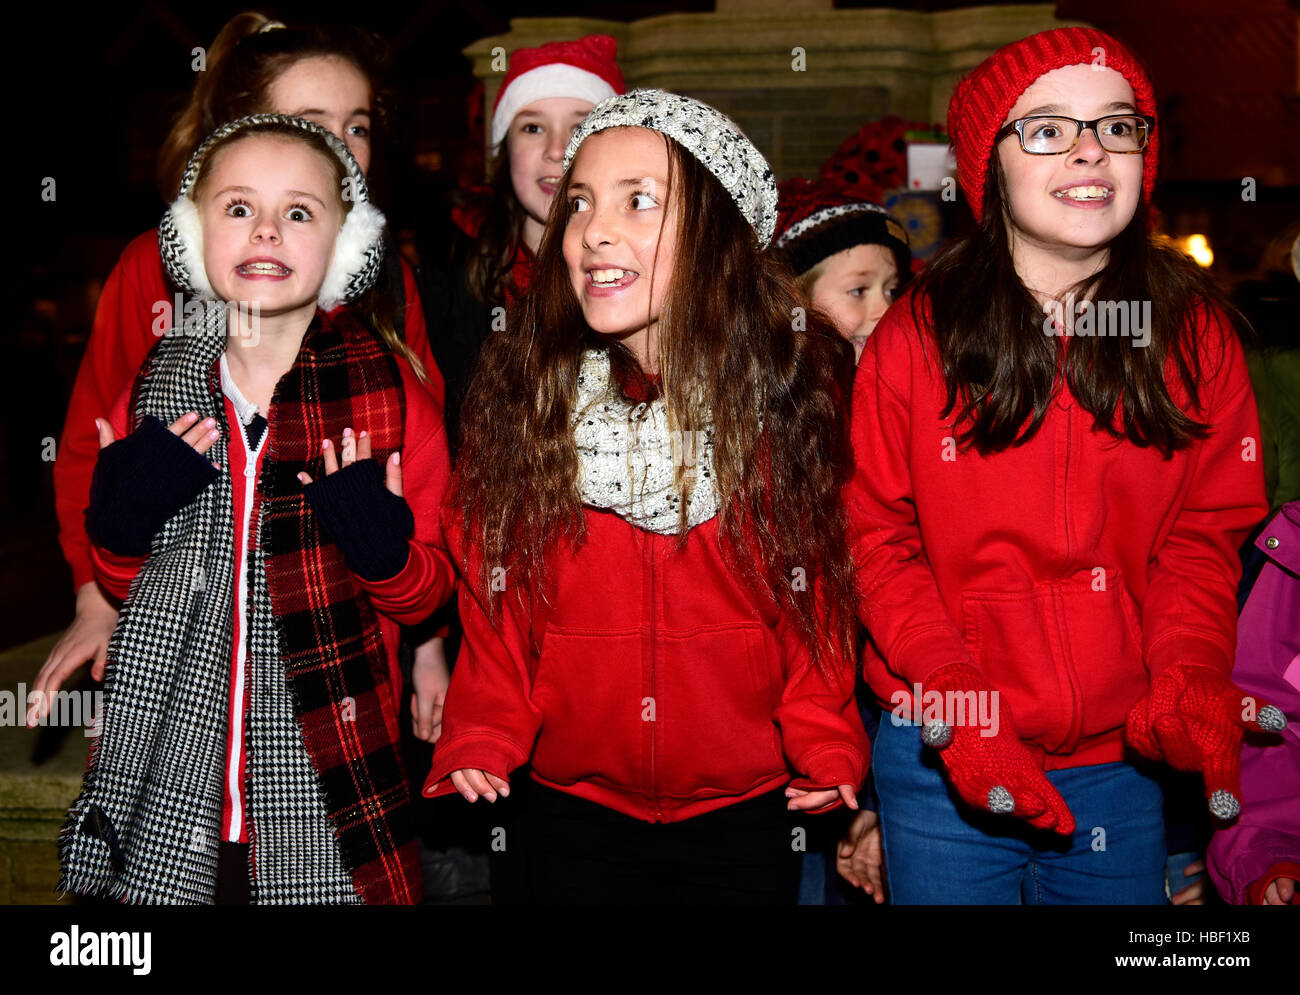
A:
(874, 159)
(983, 99)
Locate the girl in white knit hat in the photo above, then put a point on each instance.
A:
(658, 607)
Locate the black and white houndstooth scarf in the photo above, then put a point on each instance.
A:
(147, 824)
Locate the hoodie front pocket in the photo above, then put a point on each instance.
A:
(718, 696)
(1104, 638)
(590, 690)
(1065, 658)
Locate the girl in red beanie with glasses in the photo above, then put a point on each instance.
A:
(1055, 442)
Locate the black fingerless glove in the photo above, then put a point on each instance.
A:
(368, 522)
(141, 481)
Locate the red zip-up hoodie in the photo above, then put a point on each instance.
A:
(1068, 570)
(655, 682)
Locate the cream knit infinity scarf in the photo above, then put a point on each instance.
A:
(628, 454)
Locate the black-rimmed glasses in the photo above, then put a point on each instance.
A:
(1044, 134)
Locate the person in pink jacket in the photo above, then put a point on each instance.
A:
(1256, 860)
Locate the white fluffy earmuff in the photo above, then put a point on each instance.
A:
(362, 230)
(358, 249)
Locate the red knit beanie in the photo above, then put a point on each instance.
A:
(583, 69)
(983, 99)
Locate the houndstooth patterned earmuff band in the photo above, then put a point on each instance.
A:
(358, 250)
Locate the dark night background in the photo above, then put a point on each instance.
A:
(95, 90)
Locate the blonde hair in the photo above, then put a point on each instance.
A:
(808, 278)
(249, 54)
(374, 307)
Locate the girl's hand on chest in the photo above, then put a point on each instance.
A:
(356, 447)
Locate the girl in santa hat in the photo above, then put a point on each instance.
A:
(1055, 443)
(546, 93)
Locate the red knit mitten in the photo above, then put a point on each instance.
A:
(994, 772)
(1192, 718)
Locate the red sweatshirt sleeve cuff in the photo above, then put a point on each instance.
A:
(1282, 869)
(488, 752)
(115, 572)
(829, 767)
(926, 650)
(1190, 649)
(416, 591)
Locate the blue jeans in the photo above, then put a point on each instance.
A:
(812, 879)
(940, 851)
(1174, 867)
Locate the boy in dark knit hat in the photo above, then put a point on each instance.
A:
(850, 255)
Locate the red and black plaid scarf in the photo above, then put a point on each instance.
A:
(335, 660)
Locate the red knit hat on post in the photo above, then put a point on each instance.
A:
(983, 99)
(583, 69)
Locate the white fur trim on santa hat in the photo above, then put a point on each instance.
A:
(559, 79)
(359, 234)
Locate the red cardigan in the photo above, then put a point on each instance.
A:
(131, 307)
(1067, 570)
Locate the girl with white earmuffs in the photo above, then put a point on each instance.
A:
(268, 514)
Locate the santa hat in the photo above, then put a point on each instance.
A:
(583, 70)
(818, 218)
(982, 101)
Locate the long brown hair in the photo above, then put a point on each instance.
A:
(728, 341)
(491, 258)
(1001, 370)
(371, 306)
(243, 62)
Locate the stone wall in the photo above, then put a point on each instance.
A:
(797, 80)
(40, 775)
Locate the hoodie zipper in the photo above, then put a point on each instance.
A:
(654, 700)
(1071, 736)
